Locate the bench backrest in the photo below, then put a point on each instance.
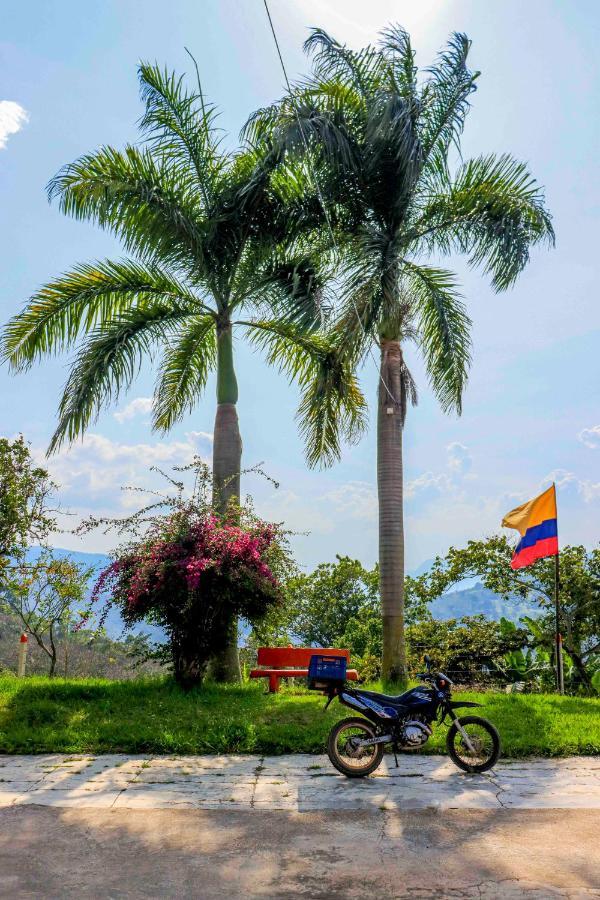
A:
(292, 657)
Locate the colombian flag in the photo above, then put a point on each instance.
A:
(536, 523)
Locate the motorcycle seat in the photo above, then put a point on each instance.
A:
(386, 699)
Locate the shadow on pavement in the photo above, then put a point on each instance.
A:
(355, 855)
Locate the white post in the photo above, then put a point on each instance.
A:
(22, 656)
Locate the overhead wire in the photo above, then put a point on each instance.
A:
(318, 191)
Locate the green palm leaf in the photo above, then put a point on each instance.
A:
(108, 363)
(81, 301)
(445, 104)
(187, 361)
(150, 204)
(494, 212)
(443, 329)
(180, 126)
(332, 405)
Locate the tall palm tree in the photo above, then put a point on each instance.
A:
(382, 137)
(221, 242)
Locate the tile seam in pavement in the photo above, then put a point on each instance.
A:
(134, 779)
(257, 773)
(288, 782)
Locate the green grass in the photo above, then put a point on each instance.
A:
(39, 715)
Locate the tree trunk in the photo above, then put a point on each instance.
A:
(580, 666)
(227, 461)
(188, 668)
(391, 513)
(52, 653)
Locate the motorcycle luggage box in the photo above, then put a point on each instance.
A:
(325, 672)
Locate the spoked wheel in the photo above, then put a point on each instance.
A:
(345, 752)
(485, 744)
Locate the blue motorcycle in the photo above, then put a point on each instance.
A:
(356, 745)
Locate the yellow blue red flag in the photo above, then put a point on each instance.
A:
(536, 522)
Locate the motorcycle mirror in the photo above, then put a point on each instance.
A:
(427, 660)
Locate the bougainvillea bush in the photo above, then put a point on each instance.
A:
(190, 572)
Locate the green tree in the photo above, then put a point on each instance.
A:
(45, 598)
(218, 245)
(323, 607)
(384, 142)
(188, 571)
(489, 560)
(25, 491)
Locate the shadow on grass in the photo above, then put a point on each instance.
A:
(155, 715)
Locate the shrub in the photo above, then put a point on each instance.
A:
(470, 650)
(190, 573)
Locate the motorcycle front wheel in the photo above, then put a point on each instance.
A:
(485, 744)
(345, 754)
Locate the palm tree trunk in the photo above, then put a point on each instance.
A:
(227, 461)
(391, 513)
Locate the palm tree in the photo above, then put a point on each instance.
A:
(219, 243)
(381, 137)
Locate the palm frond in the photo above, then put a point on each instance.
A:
(392, 155)
(494, 211)
(396, 48)
(290, 284)
(362, 69)
(180, 125)
(443, 329)
(83, 299)
(445, 104)
(361, 302)
(332, 406)
(408, 390)
(108, 362)
(187, 361)
(148, 203)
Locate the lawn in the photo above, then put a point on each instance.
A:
(39, 715)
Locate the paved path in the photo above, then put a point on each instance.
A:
(211, 854)
(297, 783)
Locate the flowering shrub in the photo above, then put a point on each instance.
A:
(189, 574)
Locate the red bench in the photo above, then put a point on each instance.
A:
(292, 662)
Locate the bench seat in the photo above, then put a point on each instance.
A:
(292, 662)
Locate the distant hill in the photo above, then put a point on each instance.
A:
(114, 624)
(477, 599)
(467, 599)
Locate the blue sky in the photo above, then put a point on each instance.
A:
(531, 411)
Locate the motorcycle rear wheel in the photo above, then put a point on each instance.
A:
(352, 761)
(485, 740)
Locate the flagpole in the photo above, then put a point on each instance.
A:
(560, 678)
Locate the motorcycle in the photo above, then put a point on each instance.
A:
(356, 745)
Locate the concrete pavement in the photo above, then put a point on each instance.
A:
(211, 854)
(297, 783)
(273, 828)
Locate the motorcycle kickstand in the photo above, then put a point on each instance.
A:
(395, 756)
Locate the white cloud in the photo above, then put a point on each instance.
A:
(357, 23)
(12, 118)
(140, 406)
(428, 483)
(568, 483)
(459, 458)
(590, 437)
(91, 473)
(321, 513)
(355, 500)
(201, 437)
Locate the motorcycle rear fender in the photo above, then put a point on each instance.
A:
(454, 704)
